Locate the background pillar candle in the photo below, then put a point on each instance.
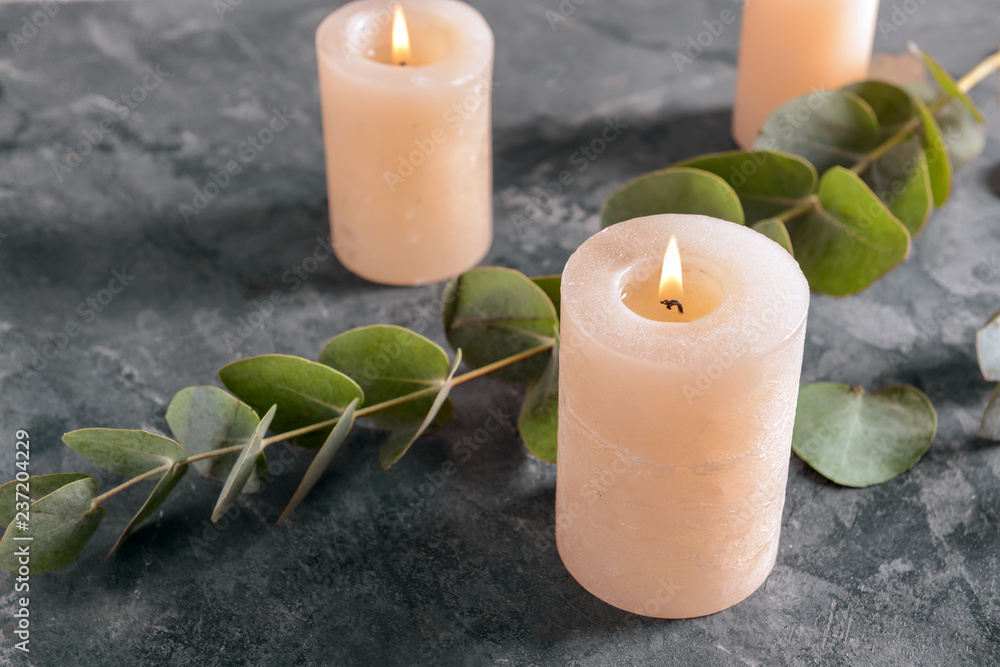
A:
(789, 48)
(408, 148)
(675, 436)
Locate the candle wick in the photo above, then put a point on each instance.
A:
(670, 303)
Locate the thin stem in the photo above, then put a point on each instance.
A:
(400, 400)
(135, 480)
(979, 72)
(796, 211)
(965, 84)
(216, 452)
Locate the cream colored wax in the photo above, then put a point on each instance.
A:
(408, 152)
(790, 48)
(675, 430)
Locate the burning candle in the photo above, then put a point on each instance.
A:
(790, 48)
(405, 92)
(677, 389)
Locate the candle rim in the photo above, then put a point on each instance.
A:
(463, 61)
(599, 313)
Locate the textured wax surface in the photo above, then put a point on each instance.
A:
(408, 148)
(674, 437)
(380, 568)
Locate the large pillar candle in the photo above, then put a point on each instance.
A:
(675, 428)
(790, 48)
(407, 134)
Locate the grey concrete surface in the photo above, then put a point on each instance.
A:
(391, 568)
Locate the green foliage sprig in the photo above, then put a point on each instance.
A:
(843, 179)
(885, 161)
(499, 322)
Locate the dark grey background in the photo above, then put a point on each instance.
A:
(902, 573)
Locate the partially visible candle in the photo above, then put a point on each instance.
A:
(675, 429)
(406, 123)
(790, 48)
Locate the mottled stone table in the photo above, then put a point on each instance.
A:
(386, 568)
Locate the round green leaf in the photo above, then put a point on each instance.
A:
(989, 428)
(39, 486)
(946, 82)
(60, 524)
(244, 466)
(766, 182)
(859, 439)
(775, 230)
(891, 104)
(849, 239)
(936, 153)
(389, 362)
(901, 178)
(305, 392)
(964, 136)
(826, 128)
(988, 348)
(673, 190)
(494, 313)
(539, 417)
(156, 498)
(123, 452)
(551, 285)
(204, 419)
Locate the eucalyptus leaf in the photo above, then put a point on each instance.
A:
(892, 105)
(849, 239)
(156, 498)
(493, 313)
(322, 460)
(766, 182)
(859, 439)
(38, 487)
(775, 229)
(901, 178)
(125, 453)
(826, 128)
(244, 467)
(989, 428)
(988, 348)
(946, 82)
(673, 190)
(389, 362)
(936, 153)
(551, 285)
(964, 136)
(59, 524)
(400, 441)
(308, 392)
(539, 416)
(204, 419)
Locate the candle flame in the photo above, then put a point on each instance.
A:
(671, 285)
(400, 38)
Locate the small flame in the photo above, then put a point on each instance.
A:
(671, 285)
(400, 38)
